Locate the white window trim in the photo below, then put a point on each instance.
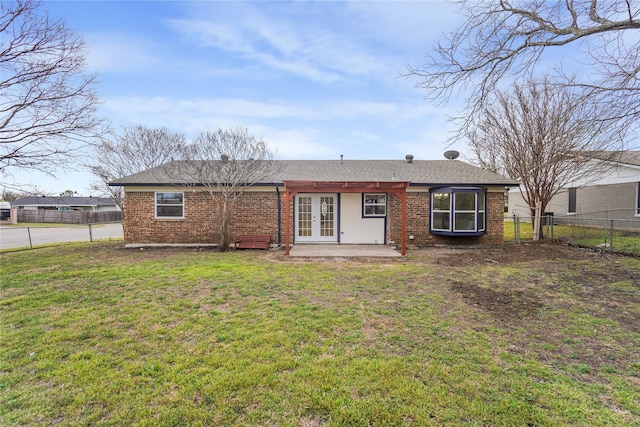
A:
(475, 213)
(483, 211)
(434, 211)
(155, 205)
(365, 204)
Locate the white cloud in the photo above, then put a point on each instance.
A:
(120, 52)
(290, 41)
(295, 143)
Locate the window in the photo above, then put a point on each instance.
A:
(638, 200)
(458, 211)
(441, 211)
(169, 205)
(572, 201)
(374, 205)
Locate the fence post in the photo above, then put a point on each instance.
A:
(90, 234)
(29, 233)
(611, 236)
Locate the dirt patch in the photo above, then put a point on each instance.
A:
(504, 254)
(512, 306)
(572, 306)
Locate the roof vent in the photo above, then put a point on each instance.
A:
(224, 158)
(409, 158)
(451, 154)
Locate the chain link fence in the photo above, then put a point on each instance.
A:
(26, 237)
(608, 230)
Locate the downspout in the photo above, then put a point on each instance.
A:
(279, 216)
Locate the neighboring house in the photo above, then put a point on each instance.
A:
(611, 193)
(5, 210)
(326, 201)
(91, 204)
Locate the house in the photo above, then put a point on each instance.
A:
(91, 204)
(376, 202)
(612, 191)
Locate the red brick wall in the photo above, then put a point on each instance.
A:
(257, 212)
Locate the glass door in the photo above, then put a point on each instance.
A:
(316, 218)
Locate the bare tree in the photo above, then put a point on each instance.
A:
(503, 40)
(226, 162)
(135, 149)
(47, 103)
(11, 194)
(543, 136)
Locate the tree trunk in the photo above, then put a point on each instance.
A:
(224, 227)
(536, 221)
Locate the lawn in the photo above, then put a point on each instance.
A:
(95, 334)
(624, 240)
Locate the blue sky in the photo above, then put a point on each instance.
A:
(314, 79)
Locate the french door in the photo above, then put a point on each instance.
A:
(316, 218)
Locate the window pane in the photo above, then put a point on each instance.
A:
(480, 201)
(465, 201)
(174, 211)
(441, 221)
(375, 204)
(441, 201)
(375, 198)
(169, 198)
(304, 216)
(481, 221)
(465, 222)
(374, 210)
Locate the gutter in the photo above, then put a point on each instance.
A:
(279, 215)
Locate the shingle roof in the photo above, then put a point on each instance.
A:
(419, 172)
(624, 157)
(63, 201)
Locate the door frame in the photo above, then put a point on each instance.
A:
(316, 221)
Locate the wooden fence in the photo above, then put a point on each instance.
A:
(68, 217)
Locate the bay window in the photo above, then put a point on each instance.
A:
(458, 211)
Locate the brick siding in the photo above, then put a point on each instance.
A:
(256, 212)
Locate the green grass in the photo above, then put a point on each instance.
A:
(625, 241)
(93, 334)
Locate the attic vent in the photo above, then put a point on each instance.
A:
(409, 158)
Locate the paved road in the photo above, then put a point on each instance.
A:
(16, 236)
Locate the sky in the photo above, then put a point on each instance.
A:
(316, 80)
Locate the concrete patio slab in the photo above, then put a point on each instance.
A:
(329, 250)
